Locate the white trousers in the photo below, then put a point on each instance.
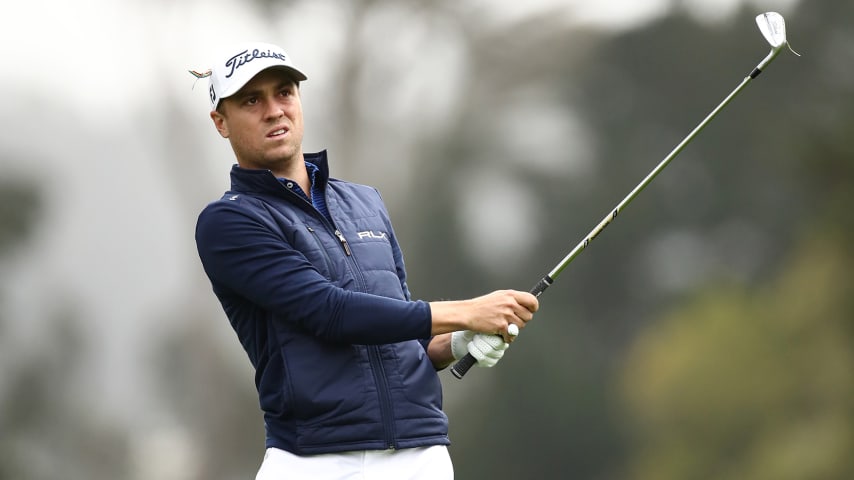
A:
(425, 463)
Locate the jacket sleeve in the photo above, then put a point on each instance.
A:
(243, 255)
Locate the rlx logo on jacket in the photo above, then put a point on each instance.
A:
(372, 234)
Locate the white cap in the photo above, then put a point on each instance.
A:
(241, 64)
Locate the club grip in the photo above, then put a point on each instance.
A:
(541, 286)
(464, 364)
(460, 368)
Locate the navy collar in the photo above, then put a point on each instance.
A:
(263, 180)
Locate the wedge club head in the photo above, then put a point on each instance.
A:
(773, 28)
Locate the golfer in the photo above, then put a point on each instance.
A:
(311, 277)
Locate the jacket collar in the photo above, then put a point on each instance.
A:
(257, 180)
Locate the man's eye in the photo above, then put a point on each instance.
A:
(251, 101)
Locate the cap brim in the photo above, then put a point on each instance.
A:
(235, 86)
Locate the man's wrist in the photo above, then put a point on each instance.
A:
(448, 316)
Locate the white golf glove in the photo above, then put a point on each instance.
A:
(486, 349)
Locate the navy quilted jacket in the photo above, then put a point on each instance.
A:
(323, 312)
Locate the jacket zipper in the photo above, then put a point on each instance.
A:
(384, 396)
(343, 242)
(377, 369)
(383, 391)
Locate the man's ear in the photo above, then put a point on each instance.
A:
(220, 123)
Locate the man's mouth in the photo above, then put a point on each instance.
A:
(276, 133)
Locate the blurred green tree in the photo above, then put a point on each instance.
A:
(751, 383)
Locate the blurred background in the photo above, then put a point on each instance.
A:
(707, 334)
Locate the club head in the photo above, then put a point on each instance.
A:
(773, 28)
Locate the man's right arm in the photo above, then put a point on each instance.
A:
(240, 253)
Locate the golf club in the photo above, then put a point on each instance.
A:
(773, 28)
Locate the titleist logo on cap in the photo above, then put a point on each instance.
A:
(245, 57)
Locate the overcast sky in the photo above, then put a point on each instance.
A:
(96, 54)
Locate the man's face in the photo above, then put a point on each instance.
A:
(263, 121)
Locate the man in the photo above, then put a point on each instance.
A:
(312, 279)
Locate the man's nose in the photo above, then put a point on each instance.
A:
(274, 109)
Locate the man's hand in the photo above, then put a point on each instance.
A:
(492, 313)
(493, 319)
(486, 349)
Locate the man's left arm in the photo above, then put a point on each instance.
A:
(439, 351)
